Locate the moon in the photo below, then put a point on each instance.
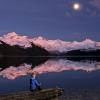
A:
(76, 6)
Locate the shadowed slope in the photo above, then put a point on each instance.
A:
(16, 51)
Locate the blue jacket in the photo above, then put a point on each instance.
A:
(34, 83)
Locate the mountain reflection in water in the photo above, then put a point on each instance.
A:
(51, 65)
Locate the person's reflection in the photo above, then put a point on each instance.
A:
(34, 84)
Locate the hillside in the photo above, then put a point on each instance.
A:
(16, 50)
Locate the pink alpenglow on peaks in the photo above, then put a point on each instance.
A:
(15, 39)
(50, 45)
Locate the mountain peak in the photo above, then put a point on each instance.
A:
(40, 38)
(87, 40)
(11, 34)
(15, 39)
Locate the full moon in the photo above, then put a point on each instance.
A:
(76, 6)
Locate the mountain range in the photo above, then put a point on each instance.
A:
(15, 44)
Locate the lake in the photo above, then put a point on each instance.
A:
(76, 75)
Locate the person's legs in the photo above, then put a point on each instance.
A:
(39, 88)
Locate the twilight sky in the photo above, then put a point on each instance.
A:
(54, 19)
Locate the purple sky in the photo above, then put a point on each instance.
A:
(51, 18)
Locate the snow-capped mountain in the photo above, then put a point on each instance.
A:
(15, 39)
(50, 45)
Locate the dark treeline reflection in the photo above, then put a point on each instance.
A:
(35, 61)
(90, 58)
(16, 61)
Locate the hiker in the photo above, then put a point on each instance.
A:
(34, 84)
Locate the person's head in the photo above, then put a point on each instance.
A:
(34, 73)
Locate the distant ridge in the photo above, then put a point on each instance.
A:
(49, 45)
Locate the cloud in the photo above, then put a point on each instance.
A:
(96, 3)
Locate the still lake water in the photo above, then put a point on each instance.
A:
(67, 74)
